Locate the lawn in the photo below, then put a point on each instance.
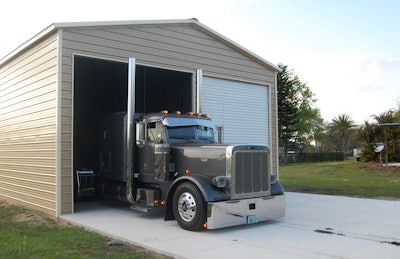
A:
(24, 234)
(347, 178)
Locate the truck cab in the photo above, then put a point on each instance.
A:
(158, 134)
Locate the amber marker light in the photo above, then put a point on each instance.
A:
(199, 115)
(165, 112)
(178, 113)
(156, 202)
(188, 172)
(205, 225)
(206, 115)
(191, 114)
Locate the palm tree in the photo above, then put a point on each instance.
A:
(342, 125)
(385, 117)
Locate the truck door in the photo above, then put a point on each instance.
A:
(150, 160)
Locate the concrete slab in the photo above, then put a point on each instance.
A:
(316, 226)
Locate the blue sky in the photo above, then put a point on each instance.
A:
(347, 51)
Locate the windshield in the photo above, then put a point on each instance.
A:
(194, 134)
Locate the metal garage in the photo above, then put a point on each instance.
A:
(56, 86)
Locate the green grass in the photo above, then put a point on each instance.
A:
(347, 178)
(27, 235)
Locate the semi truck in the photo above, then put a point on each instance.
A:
(172, 162)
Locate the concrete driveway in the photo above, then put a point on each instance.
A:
(316, 226)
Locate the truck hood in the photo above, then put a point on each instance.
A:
(208, 159)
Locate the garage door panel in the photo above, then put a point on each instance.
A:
(242, 109)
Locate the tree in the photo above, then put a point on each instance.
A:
(371, 134)
(389, 134)
(296, 116)
(367, 135)
(318, 131)
(341, 127)
(310, 124)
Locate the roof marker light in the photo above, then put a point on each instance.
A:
(165, 112)
(191, 114)
(178, 113)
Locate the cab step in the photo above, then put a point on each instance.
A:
(147, 200)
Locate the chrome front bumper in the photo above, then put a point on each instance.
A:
(246, 211)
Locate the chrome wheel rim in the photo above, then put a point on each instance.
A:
(186, 206)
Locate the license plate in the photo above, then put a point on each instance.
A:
(252, 219)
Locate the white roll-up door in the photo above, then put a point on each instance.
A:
(242, 109)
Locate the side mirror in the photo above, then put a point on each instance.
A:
(140, 134)
(220, 134)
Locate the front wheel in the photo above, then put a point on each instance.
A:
(189, 207)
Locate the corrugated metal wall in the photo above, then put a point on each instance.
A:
(28, 103)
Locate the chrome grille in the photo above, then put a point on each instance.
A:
(250, 174)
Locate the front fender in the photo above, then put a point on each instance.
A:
(277, 188)
(210, 192)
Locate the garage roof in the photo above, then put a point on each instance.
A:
(192, 22)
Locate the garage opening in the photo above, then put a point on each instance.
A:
(100, 88)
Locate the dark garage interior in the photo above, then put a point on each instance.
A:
(101, 87)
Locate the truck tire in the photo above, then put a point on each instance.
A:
(189, 207)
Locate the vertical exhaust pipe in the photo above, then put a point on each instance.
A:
(199, 85)
(129, 128)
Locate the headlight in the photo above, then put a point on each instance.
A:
(221, 181)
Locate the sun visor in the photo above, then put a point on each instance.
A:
(179, 122)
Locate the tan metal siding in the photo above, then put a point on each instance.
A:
(66, 147)
(175, 47)
(28, 127)
(274, 129)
